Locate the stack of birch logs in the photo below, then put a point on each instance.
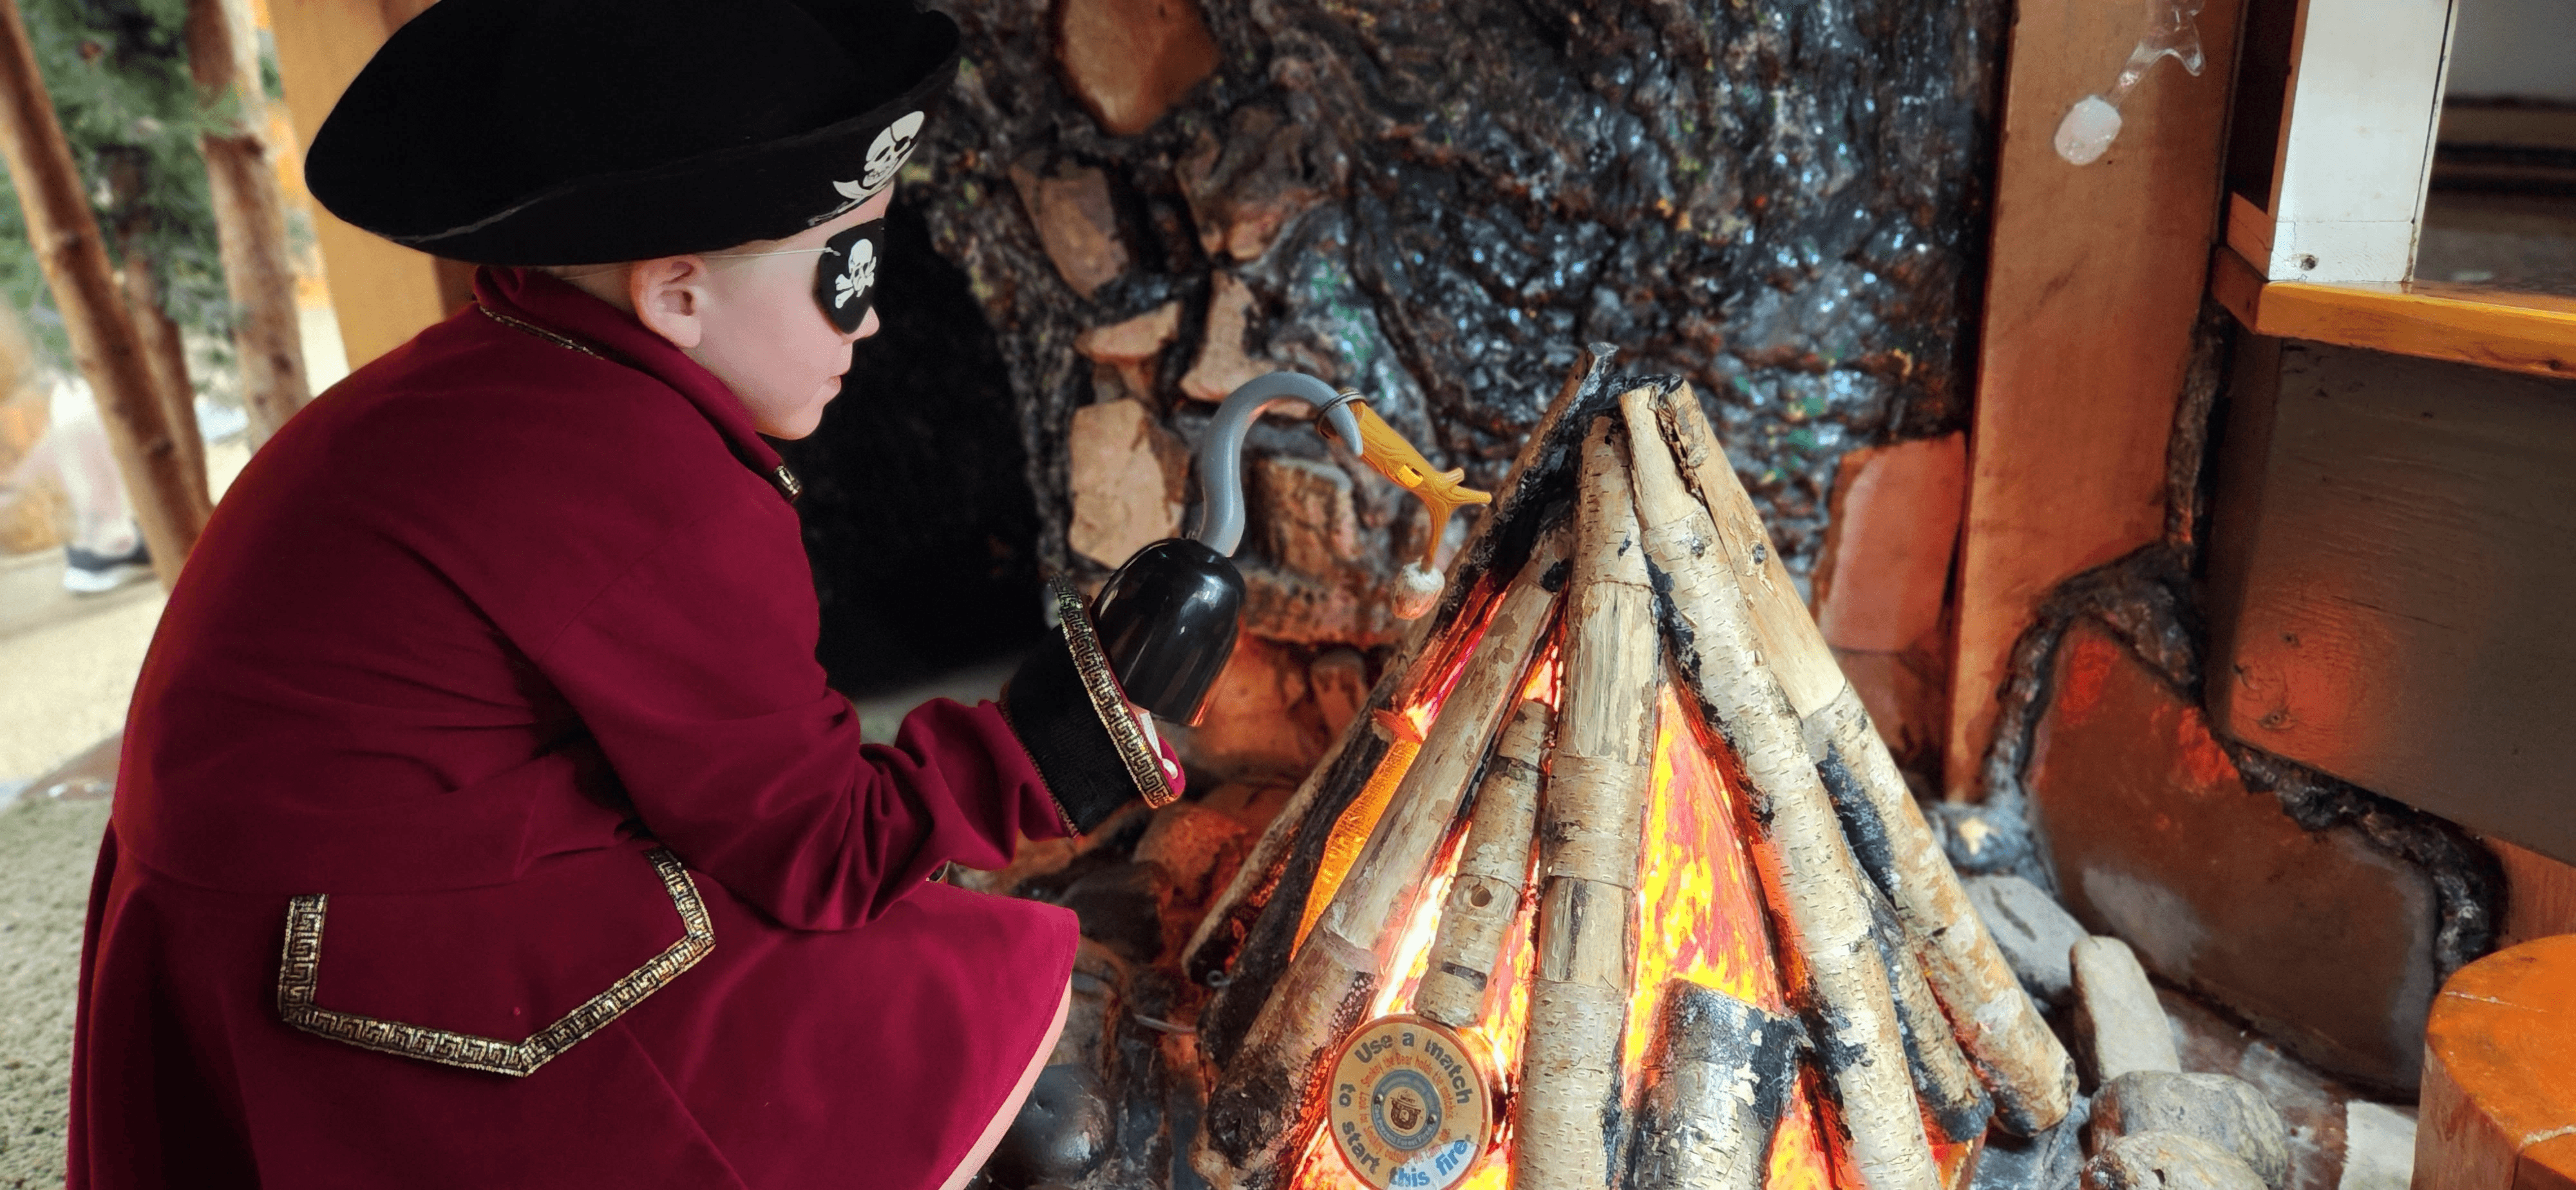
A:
(1625, 537)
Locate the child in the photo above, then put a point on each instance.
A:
(498, 663)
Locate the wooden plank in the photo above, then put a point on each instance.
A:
(2094, 282)
(2491, 328)
(2389, 574)
(382, 292)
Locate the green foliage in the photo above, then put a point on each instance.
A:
(118, 74)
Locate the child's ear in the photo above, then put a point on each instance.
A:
(669, 295)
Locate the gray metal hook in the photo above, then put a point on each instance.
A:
(1221, 451)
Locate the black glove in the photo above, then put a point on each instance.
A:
(1073, 719)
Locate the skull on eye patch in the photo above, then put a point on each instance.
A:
(845, 281)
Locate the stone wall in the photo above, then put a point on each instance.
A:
(1438, 204)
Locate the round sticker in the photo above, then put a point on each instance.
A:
(1409, 1107)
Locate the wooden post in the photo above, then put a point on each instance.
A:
(250, 217)
(104, 342)
(163, 351)
(1799, 843)
(1264, 1107)
(1592, 819)
(2024, 1066)
(1493, 873)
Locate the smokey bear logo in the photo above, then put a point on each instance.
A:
(1404, 1109)
(891, 149)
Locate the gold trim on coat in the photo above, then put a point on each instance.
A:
(299, 974)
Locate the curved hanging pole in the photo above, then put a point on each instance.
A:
(1221, 451)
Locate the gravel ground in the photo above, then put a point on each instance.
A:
(47, 848)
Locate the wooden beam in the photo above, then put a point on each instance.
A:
(382, 292)
(2469, 324)
(2092, 288)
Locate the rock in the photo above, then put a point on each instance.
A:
(2167, 1161)
(1303, 514)
(2052, 1160)
(1253, 804)
(2378, 1147)
(1244, 187)
(1077, 223)
(1351, 609)
(2119, 1024)
(1130, 348)
(1097, 990)
(2227, 1112)
(1061, 1133)
(2035, 933)
(1122, 908)
(1339, 678)
(1128, 60)
(1130, 480)
(1886, 564)
(2315, 937)
(1196, 847)
(1259, 720)
(1222, 365)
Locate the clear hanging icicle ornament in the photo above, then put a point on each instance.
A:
(2094, 122)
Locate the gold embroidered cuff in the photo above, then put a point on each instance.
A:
(1144, 765)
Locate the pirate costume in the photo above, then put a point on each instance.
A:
(484, 818)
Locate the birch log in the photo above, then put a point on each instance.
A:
(1591, 827)
(105, 344)
(1944, 1082)
(2023, 1065)
(1263, 1108)
(1717, 1075)
(1493, 872)
(1798, 843)
(250, 215)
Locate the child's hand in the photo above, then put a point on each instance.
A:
(1172, 775)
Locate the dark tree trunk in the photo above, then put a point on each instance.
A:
(1437, 203)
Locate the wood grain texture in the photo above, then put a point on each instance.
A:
(2389, 570)
(2499, 1093)
(383, 293)
(2491, 328)
(2092, 287)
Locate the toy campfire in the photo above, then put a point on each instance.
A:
(1616, 884)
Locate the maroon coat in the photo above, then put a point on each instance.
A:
(479, 630)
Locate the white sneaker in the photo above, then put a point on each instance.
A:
(87, 573)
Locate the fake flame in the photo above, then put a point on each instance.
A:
(1702, 918)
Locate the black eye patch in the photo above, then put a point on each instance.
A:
(845, 280)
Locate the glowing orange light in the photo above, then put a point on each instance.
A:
(1798, 1154)
(1699, 911)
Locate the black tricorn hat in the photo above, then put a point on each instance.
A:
(559, 132)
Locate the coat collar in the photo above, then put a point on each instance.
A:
(551, 309)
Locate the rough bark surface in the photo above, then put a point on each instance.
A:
(1493, 874)
(1798, 845)
(1591, 829)
(2023, 1065)
(1262, 1109)
(1783, 203)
